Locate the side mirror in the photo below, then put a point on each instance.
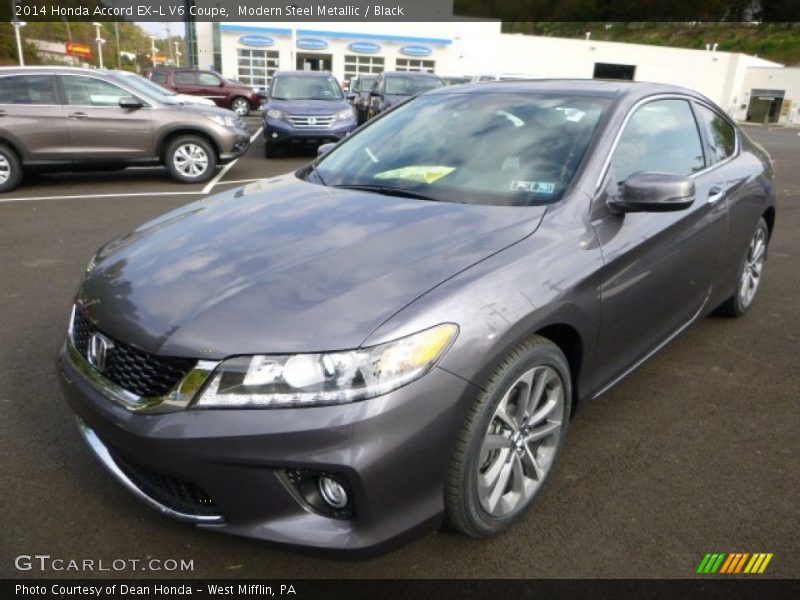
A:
(654, 192)
(325, 148)
(130, 103)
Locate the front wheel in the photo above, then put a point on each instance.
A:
(510, 440)
(191, 159)
(240, 106)
(750, 272)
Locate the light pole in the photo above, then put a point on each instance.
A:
(177, 54)
(100, 41)
(17, 26)
(153, 50)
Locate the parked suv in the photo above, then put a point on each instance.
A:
(359, 96)
(226, 93)
(63, 119)
(394, 87)
(305, 107)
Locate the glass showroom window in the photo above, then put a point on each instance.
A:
(362, 65)
(256, 67)
(412, 64)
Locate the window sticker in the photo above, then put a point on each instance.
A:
(417, 173)
(535, 187)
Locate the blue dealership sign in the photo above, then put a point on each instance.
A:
(364, 47)
(312, 44)
(416, 51)
(256, 40)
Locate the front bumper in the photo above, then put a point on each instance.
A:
(280, 132)
(393, 451)
(234, 145)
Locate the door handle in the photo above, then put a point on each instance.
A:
(715, 194)
(3, 113)
(79, 116)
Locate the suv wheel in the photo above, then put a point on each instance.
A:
(191, 159)
(10, 169)
(510, 441)
(240, 106)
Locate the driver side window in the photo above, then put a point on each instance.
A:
(661, 136)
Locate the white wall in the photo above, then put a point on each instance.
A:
(775, 78)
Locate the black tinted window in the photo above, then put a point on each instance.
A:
(27, 89)
(661, 136)
(721, 135)
(159, 77)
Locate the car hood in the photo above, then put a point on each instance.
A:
(308, 107)
(285, 266)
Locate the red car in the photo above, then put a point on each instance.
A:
(233, 95)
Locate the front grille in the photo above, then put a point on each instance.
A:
(174, 493)
(134, 370)
(311, 121)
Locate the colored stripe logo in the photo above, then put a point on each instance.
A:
(734, 562)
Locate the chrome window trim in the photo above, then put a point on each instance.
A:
(100, 451)
(654, 98)
(176, 399)
(736, 148)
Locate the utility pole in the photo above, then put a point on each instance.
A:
(153, 50)
(177, 54)
(116, 37)
(17, 25)
(99, 41)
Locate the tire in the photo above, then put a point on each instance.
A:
(495, 443)
(240, 106)
(10, 169)
(749, 275)
(188, 150)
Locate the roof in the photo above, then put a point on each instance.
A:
(304, 73)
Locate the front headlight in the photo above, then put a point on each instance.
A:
(275, 114)
(345, 114)
(281, 381)
(223, 121)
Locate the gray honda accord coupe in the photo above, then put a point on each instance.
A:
(342, 357)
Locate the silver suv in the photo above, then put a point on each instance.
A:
(64, 119)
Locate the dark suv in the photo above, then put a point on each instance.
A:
(63, 119)
(234, 95)
(305, 107)
(359, 95)
(394, 87)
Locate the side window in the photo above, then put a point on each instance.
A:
(27, 89)
(186, 78)
(87, 91)
(376, 86)
(721, 135)
(660, 136)
(209, 79)
(159, 77)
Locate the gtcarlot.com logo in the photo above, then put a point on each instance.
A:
(45, 562)
(730, 563)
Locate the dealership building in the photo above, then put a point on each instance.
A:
(748, 87)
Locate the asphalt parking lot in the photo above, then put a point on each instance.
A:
(698, 451)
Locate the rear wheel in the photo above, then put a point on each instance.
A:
(749, 279)
(191, 159)
(510, 441)
(10, 169)
(240, 106)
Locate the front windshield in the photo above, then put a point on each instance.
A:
(362, 84)
(411, 86)
(299, 87)
(512, 149)
(149, 88)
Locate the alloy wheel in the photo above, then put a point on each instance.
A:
(521, 441)
(191, 160)
(753, 266)
(240, 107)
(5, 169)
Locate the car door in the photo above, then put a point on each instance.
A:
(32, 118)
(658, 266)
(212, 87)
(99, 129)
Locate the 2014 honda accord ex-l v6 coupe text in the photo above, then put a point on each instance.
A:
(341, 357)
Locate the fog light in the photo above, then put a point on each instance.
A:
(274, 135)
(333, 493)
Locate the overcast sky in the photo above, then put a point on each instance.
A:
(160, 29)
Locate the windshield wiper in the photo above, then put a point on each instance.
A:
(388, 191)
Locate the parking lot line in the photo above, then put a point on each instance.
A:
(211, 184)
(109, 195)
